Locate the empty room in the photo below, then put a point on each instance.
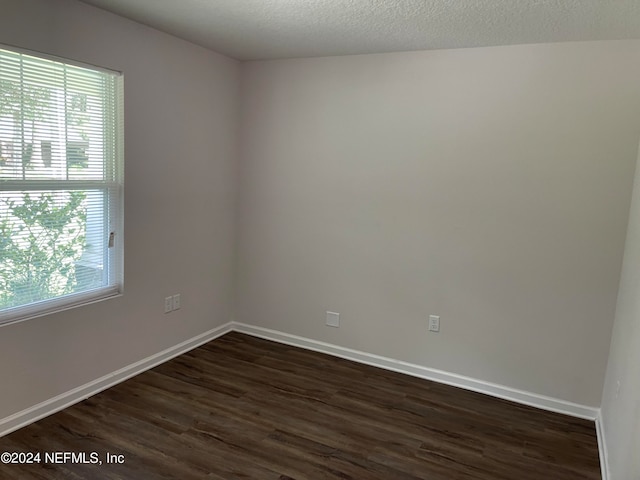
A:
(319, 239)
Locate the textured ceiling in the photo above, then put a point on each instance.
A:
(267, 29)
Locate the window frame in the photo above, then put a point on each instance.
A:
(113, 187)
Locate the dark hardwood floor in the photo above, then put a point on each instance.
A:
(241, 407)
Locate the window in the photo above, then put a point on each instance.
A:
(61, 184)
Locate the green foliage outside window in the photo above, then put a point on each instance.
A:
(26, 104)
(42, 236)
(40, 243)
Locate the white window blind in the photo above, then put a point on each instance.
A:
(61, 184)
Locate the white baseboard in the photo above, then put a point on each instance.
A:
(602, 448)
(64, 400)
(500, 391)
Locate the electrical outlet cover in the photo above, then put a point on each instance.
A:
(168, 304)
(434, 323)
(176, 302)
(333, 319)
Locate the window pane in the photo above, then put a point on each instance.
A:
(85, 107)
(52, 243)
(52, 120)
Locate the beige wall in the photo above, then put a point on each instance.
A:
(621, 408)
(490, 186)
(181, 107)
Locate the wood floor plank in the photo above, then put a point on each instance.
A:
(241, 407)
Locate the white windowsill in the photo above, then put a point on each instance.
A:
(56, 305)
